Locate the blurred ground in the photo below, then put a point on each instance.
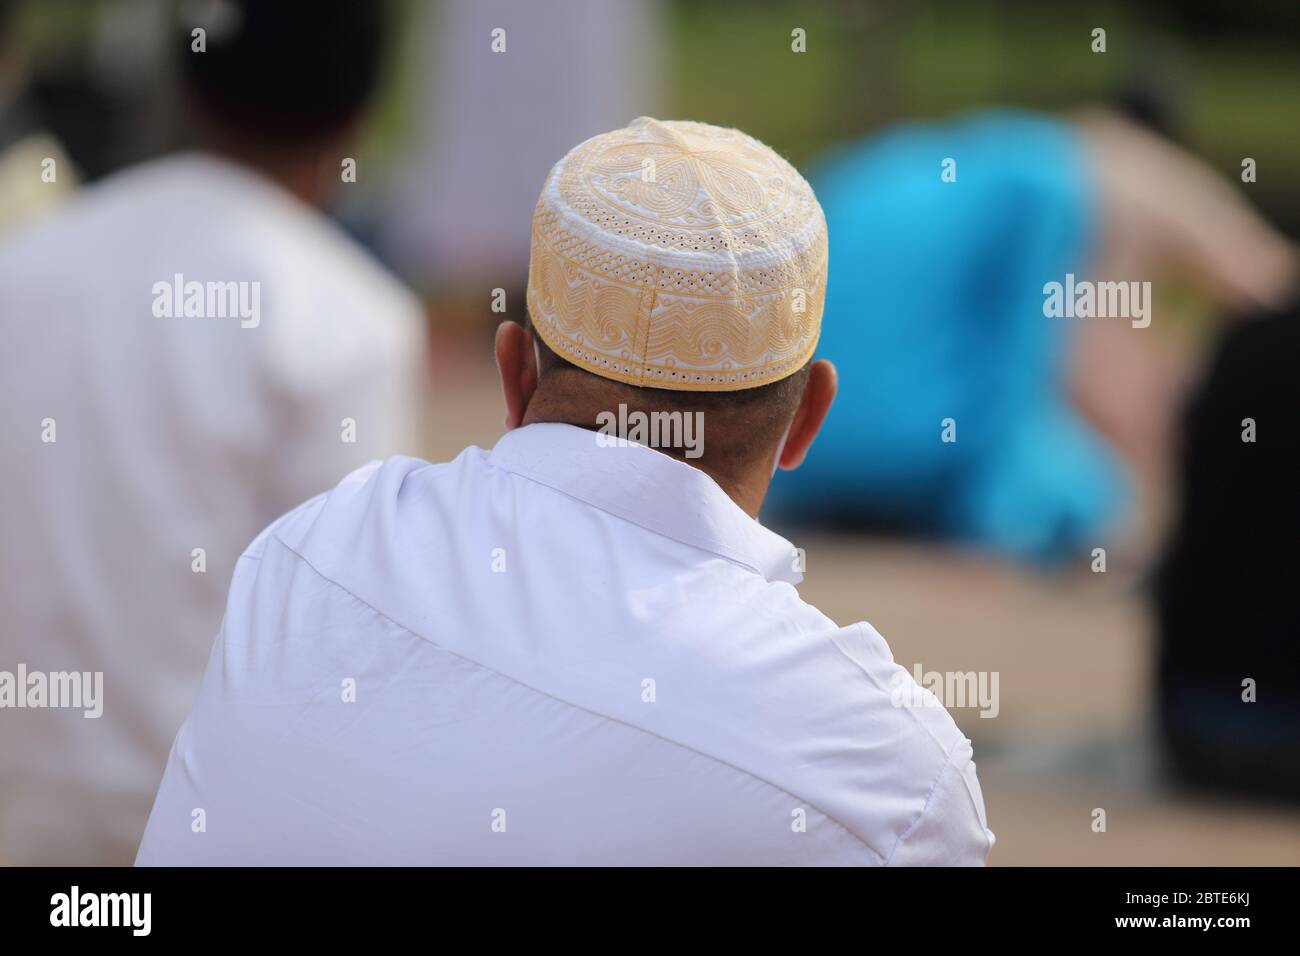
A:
(1072, 650)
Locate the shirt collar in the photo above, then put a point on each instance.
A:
(648, 489)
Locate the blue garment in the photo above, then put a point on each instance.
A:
(934, 311)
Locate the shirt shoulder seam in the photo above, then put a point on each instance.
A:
(945, 750)
(943, 767)
(934, 788)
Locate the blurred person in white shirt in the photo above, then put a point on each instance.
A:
(191, 348)
(538, 76)
(581, 647)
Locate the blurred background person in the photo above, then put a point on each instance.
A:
(1228, 674)
(194, 349)
(975, 415)
(501, 88)
(35, 172)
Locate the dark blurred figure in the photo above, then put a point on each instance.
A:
(1228, 610)
(191, 349)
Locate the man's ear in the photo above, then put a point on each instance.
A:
(808, 417)
(517, 363)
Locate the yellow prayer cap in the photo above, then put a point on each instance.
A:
(678, 255)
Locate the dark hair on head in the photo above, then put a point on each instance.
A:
(282, 70)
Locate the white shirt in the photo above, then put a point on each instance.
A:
(550, 653)
(171, 434)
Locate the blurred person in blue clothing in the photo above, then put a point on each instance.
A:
(967, 412)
